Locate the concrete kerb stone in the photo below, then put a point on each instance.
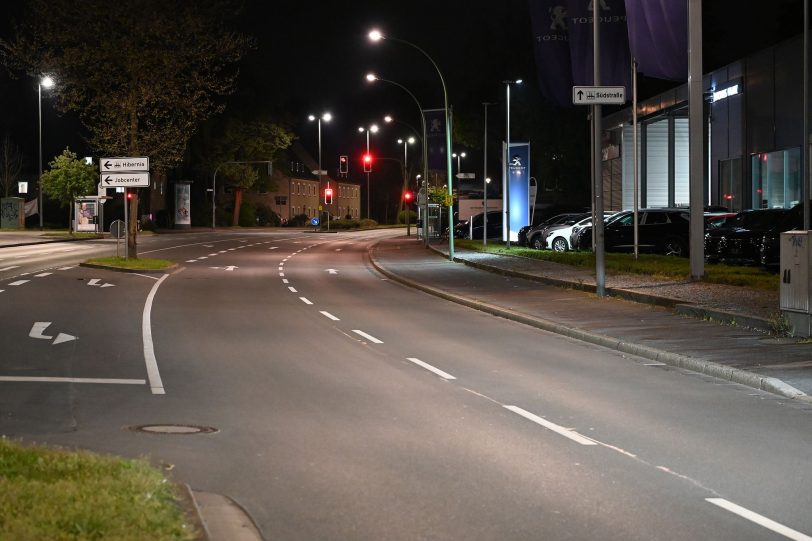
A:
(702, 366)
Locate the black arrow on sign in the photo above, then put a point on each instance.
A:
(580, 94)
(107, 165)
(108, 180)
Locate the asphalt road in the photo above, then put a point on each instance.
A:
(347, 406)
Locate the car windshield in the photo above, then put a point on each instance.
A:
(756, 219)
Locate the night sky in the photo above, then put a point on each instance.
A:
(312, 57)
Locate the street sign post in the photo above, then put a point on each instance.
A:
(108, 165)
(125, 180)
(598, 95)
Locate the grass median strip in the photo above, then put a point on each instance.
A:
(57, 495)
(132, 264)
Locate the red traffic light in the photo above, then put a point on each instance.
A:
(342, 164)
(328, 196)
(367, 163)
(129, 195)
(408, 196)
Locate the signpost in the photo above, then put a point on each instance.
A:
(125, 180)
(598, 95)
(107, 165)
(118, 230)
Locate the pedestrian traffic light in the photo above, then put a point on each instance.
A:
(342, 164)
(328, 196)
(367, 163)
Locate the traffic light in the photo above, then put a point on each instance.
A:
(367, 163)
(130, 195)
(342, 164)
(407, 197)
(328, 196)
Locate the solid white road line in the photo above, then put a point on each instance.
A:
(305, 300)
(427, 366)
(329, 315)
(19, 282)
(761, 520)
(74, 380)
(292, 289)
(367, 336)
(155, 383)
(560, 430)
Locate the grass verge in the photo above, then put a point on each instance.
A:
(61, 495)
(134, 264)
(677, 268)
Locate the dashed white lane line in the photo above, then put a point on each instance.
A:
(761, 520)
(328, 315)
(221, 252)
(231, 249)
(73, 380)
(43, 274)
(282, 274)
(19, 282)
(9, 268)
(1, 290)
(292, 289)
(67, 268)
(203, 257)
(305, 300)
(367, 336)
(212, 255)
(558, 429)
(427, 366)
(281, 268)
(273, 247)
(285, 281)
(191, 260)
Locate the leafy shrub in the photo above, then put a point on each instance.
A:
(266, 216)
(248, 214)
(300, 220)
(344, 224)
(402, 217)
(368, 222)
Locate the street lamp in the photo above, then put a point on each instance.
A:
(327, 117)
(374, 129)
(371, 77)
(506, 166)
(45, 82)
(485, 177)
(458, 156)
(375, 36)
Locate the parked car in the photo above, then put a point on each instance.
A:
(740, 239)
(464, 230)
(660, 231)
(537, 235)
(559, 238)
(715, 220)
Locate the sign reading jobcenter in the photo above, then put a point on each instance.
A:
(124, 172)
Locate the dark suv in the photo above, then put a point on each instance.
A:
(740, 240)
(464, 229)
(660, 231)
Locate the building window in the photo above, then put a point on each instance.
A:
(731, 185)
(776, 179)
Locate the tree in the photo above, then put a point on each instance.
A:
(11, 164)
(68, 178)
(242, 141)
(141, 86)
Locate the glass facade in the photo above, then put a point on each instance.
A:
(731, 185)
(776, 179)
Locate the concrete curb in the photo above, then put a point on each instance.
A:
(736, 375)
(46, 241)
(224, 519)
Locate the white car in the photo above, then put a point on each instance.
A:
(559, 240)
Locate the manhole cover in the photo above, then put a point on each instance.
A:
(174, 429)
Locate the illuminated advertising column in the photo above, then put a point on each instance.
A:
(183, 196)
(518, 186)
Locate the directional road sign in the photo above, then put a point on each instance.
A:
(107, 165)
(125, 180)
(598, 95)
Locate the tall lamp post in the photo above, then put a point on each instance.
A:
(485, 179)
(374, 129)
(44, 82)
(506, 164)
(458, 156)
(375, 36)
(371, 77)
(327, 117)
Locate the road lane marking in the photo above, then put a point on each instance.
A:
(1, 290)
(9, 268)
(285, 281)
(281, 274)
(19, 282)
(761, 520)
(38, 328)
(191, 260)
(155, 383)
(221, 252)
(43, 274)
(73, 380)
(273, 247)
(328, 315)
(560, 430)
(427, 366)
(368, 336)
(305, 300)
(231, 249)
(292, 289)
(67, 268)
(212, 255)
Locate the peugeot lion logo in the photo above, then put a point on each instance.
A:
(516, 161)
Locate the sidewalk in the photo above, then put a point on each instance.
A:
(28, 237)
(676, 323)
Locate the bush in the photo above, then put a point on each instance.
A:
(402, 216)
(300, 220)
(248, 214)
(344, 224)
(368, 222)
(266, 216)
(348, 217)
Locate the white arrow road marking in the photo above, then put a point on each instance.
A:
(94, 281)
(38, 328)
(62, 337)
(332, 271)
(107, 285)
(367, 336)
(231, 268)
(759, 519)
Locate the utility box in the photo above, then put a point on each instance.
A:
(12, 212)
(795, 281)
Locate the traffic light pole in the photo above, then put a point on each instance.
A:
(126, 222)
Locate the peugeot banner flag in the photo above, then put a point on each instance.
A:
(435, 139)
(551, 49)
